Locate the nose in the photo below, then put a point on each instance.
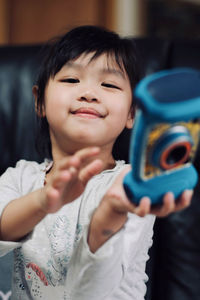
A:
(88, 96)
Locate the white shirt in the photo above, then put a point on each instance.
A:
(54, 261)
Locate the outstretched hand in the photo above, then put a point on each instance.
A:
(120, 203)
(112, 212)
(169, 205)
(69, 178)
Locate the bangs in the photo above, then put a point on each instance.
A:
(114, 56)
(113, 59)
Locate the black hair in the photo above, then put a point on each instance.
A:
(83, 39)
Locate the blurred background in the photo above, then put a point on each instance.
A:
(36, 21)
(174, 267)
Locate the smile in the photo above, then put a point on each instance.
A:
(89, 113)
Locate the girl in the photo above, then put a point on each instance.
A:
(74, 233)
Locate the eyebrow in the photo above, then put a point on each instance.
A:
(114, 72)
(71, 64)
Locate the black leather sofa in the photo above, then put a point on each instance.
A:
(174, 265)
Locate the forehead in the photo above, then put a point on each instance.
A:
(105, 62)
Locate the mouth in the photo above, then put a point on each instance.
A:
(89, 113)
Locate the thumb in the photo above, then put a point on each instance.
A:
(120, 177)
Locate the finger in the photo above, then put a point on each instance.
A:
(94, 168)
(72, 161)
(184, 200)
(125, 205)
(143, 208)
(167, 206)
(119, 178)
(61, 178)
(87, 153)
(79, 157)
(53, 203)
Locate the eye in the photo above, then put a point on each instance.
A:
(109, 85)
(70, 80)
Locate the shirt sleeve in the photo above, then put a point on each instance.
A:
(104, 267)
(117, 269)
(10, 189)
(137, 241)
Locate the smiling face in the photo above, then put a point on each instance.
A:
(87, 103)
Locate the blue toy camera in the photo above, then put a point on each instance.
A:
(165, 135)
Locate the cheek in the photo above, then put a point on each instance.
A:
(121, 107)
(55, 103)
(121, 113)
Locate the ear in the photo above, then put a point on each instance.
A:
(130, 118)
(40, 112)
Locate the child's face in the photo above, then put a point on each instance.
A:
(88, 103)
